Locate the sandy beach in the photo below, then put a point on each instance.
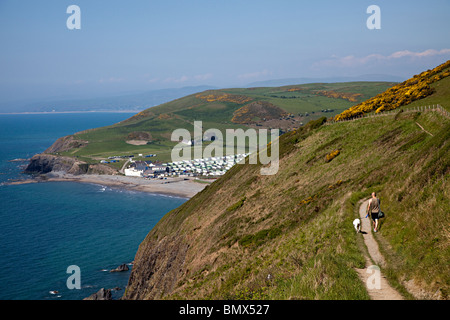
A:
(181, 187)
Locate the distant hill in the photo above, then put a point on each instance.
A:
(134, 102)
(290, 81)
(258, 111)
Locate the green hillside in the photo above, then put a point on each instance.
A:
(218, 109)
(441, 95)
(290, 235)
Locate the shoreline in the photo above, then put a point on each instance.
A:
(179, 187)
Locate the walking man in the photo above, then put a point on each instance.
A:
(374, 209)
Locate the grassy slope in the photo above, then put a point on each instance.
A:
(160, 121)
(441, 96)
(297, 225)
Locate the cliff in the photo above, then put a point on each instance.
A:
(46, 163)
(51, 161)
(65, 143)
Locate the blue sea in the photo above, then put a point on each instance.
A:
(47, 227)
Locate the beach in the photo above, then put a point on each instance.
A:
(180, 187)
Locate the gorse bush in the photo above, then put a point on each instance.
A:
(352, 97)
(332, 155)
(307, 200)
(402, 94)
(224, 97)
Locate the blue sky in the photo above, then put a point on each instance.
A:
(130, 46)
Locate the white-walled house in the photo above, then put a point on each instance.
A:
(132, 172)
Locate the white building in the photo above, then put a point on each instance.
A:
(132, 172)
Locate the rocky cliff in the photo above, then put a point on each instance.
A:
(45, 163)
(65, 143)
(158, 277)
(50, 161)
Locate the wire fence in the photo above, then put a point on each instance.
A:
(433, 108)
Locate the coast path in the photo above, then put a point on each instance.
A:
(381, 290)
(122, 170)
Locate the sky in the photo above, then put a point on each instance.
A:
(133, 46)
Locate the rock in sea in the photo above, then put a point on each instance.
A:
(122, 267)
(102, 294)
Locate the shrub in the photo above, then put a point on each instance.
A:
(332, 155)
(224, 97)
(237, 205)
(260, 237)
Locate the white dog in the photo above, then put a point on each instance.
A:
(357, 225)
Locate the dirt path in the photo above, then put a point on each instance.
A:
(424, 129)
(376, 284)
(122, 170)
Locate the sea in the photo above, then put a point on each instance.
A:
(48, 228)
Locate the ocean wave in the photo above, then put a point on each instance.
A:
(19, 160)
